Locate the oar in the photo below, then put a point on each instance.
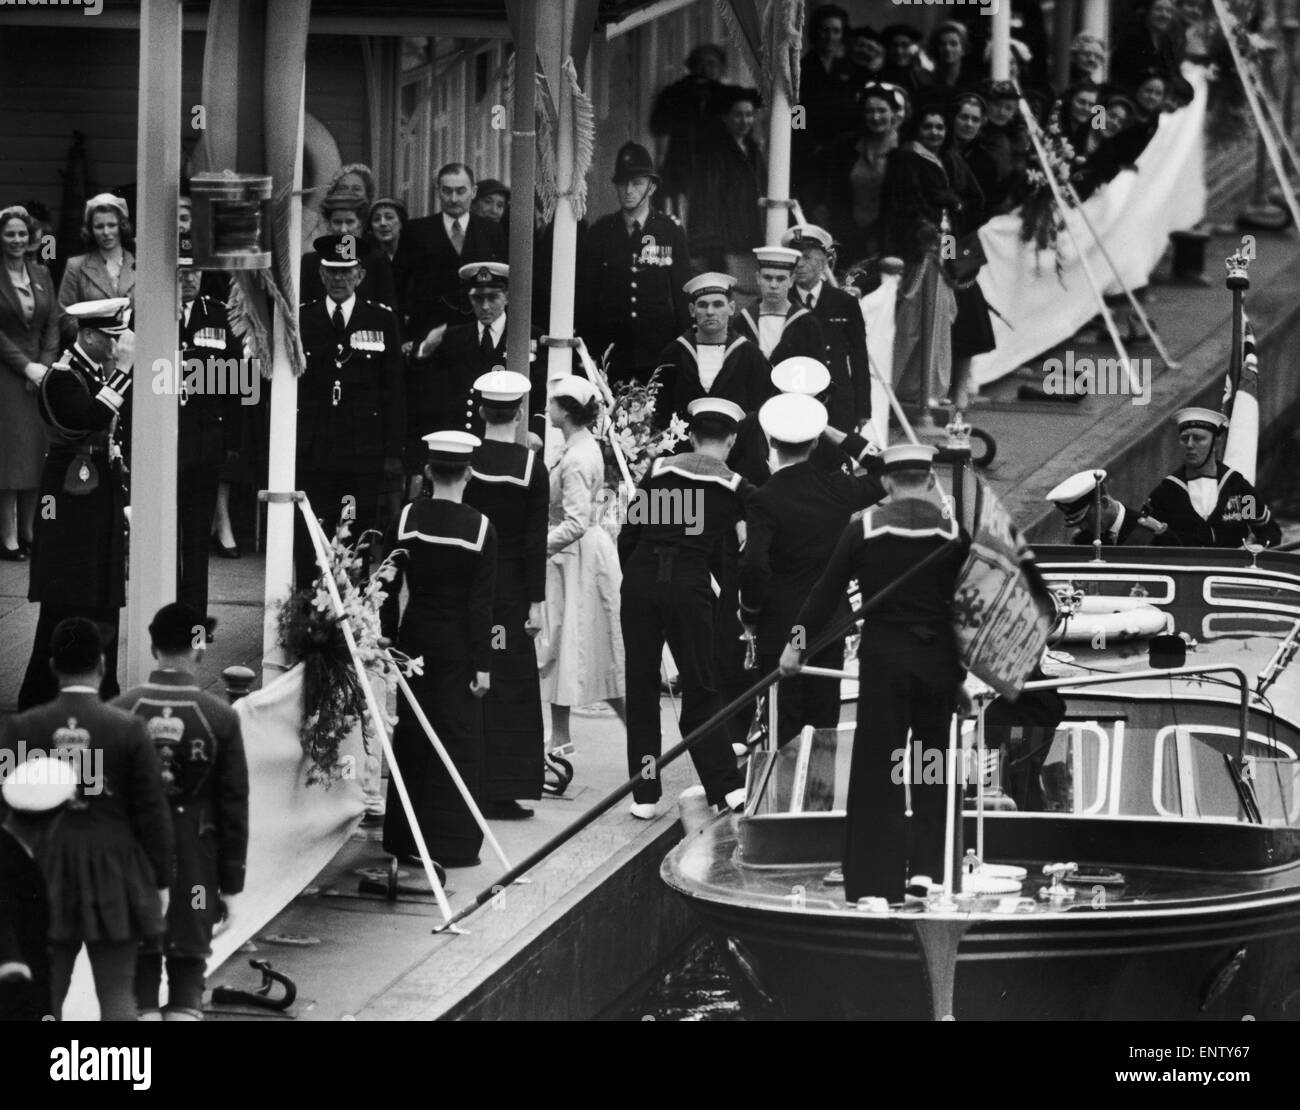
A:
(614, 797)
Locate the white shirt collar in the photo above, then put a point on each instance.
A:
(347, 307)
(1119, 521)
(498, 327)
(79, 690)
(448, 221)
(813, 295)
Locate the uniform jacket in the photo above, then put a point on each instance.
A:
(1127, 524)
(379, 285)
(435, 294)
(210, 420)
(509, 486)
(745, 377)
(86, 279)
(801, 335)
(24, 923)
(751, 455)
(351, 402)
(1238, 512)
(844, 333)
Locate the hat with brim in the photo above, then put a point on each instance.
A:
(702, 285)
(39, 784)
(801, 374)
(882, 90)
(502, 389)
(633, 160)
(339, 251)
(393, 203)
(491, 187)
(1208, 419)
(451, 447)
(110, 315)
(793, 418)
(345, 202)
(485, 276)
(907, 456)
(1074, 495)
(726, 97)
(776, 258)
(802, 236)
(715, 410)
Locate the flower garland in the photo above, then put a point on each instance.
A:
(1040, 222)
(311, 633)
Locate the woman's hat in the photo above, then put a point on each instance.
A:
(393, 203)
(880, 90)
(571, 385)
(106, 200)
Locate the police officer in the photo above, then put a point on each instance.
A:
(843, 329)
(675, 522)
(909, 674)
(1205, 503)
(1077, 499)
(79, 547)
(793, 524)
(209, 425)
(781, 328)
(631, 272)
(508, 484)
(205, 776)
(351, 400)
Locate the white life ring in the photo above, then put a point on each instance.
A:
(1112, 618)
(320, 162)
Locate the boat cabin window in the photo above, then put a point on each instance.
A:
(1252, 593)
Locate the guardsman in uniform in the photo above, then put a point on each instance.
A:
(1076, 497)
(440, 390)
(79, 547)
(793, 524)
(710, 359)
(843, 328)
(675, 523)
(446, 554)
(909, 674)
(630, 274)
(508, 485)
(108, 862)
(205, 777)
(781, 328)
(351, 399)
(209, 425)
(1205, 503)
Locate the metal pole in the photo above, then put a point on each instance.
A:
(1001, 40)
(523, 171)
(564, 232)
(778, 165)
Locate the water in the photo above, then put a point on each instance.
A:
(694, 988)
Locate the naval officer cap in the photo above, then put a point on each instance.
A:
(801, 374)
(1077, 492)
(705, 411)
(484, 275)
(907, 456)
(792, 418)
(807, 235)
(702, 285)
(502, 389)
(39, 784)
(110, 315)
(337, 251)
(1211, 421)
(451, 447)
(776, 258)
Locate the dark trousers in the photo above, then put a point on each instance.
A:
(196, 503)
(113, 965)
(326, 491)
(39, 684)
(804, 701)
(900, 690)
(184, 980)
(680, 612)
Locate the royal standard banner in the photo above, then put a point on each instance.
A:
(1002, 611)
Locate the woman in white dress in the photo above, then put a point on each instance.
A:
(580, 650)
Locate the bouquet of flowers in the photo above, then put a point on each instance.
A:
(1040, 223)
(311, 633)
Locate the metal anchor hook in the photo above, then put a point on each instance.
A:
(262, 996)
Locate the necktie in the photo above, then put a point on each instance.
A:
(485, 343)
(457, 236)
(340, 327)
(634, 233)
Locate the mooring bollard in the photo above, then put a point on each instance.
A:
(239, 681)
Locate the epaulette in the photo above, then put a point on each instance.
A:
(376, 304)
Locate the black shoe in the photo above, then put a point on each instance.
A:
(13, 554)
(460, 861)
(209, 625)
(224, 552)
(506, 811)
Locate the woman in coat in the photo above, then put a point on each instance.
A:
(107, 269)
(29, 343)
(446, 552)
(580, 650)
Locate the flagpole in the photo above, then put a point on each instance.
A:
(1238, 281)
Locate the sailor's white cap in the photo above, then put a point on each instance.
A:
(807, 235)
(572, 385)
(1076, 493)
(1201, 418)
(502, 388)
(717, 407)
(703, 284)
(907, 456)
(779, 258)
(39, 785)
(793, 418)
(453, 447)
(108, 315)
(801, 374)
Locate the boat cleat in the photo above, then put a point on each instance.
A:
(1058, 893)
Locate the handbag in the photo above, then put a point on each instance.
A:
(968, 260)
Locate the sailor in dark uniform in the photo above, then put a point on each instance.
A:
(209, 425)
(508, 484)
(351, 400)
(1205, 503)
(1077, 498)
(674, 525)
(446, 554)
(710, 359)
(781, 328)
(205, 776)
(843, 329)
(909, 674)
(78, 565)
(793, 525)
(630, 274)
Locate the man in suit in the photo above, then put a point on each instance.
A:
(1077, 498)
(631, 274)
(794, 522)
(843, 329)
(442, 244)
(351, 400)
(209, 425)
(78, 566)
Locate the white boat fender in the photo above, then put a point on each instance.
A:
(1112, 618)
(694, 810)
